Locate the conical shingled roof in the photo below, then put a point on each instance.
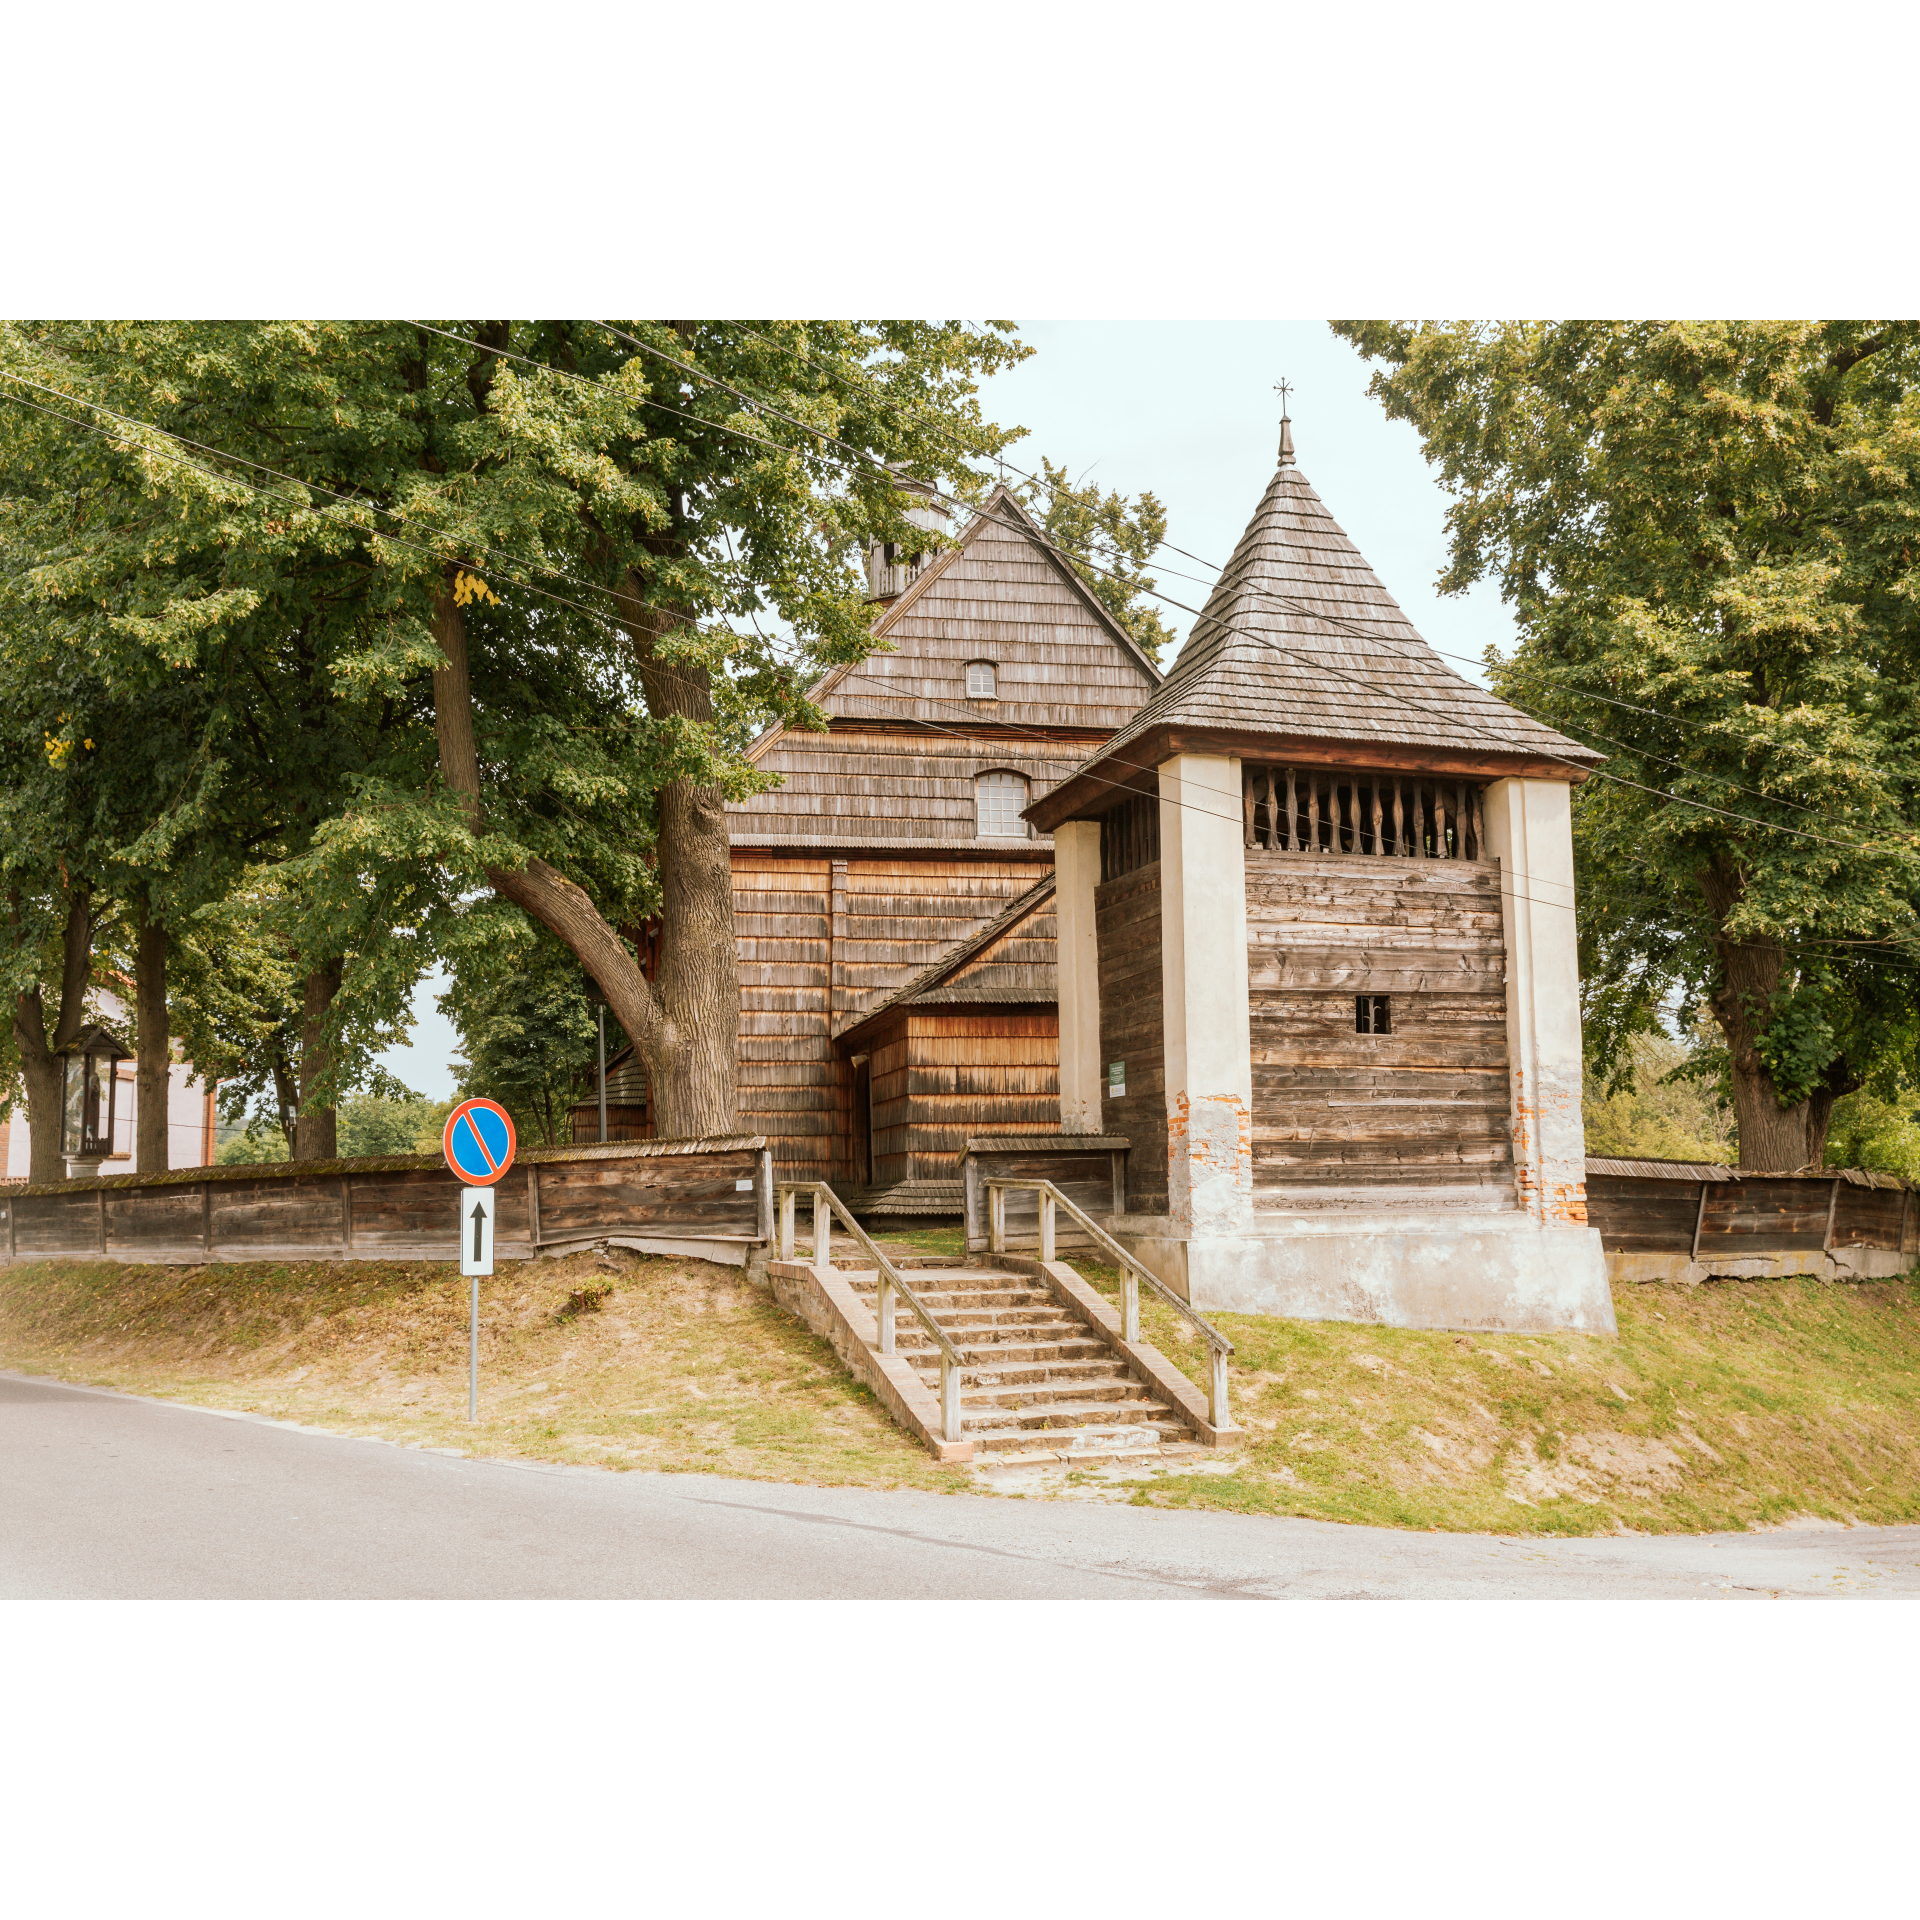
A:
(1299, 639)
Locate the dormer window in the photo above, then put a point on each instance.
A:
(981, 681)
(999, 799)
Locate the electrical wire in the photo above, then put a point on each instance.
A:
(1334, 622)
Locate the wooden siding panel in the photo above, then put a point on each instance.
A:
(986, 1071)
(1427, 1103)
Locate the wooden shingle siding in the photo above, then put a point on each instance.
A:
(782, 919)
(1000, 599)
(1127, 933)
(1425, 1104)
(978, 1071)
(878, 786)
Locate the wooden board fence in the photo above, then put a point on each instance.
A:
(718, 1192)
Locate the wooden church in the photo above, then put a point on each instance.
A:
(893, 906)
(1317, 961)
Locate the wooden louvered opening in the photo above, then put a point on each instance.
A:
(1130, 836)
(1314, 810)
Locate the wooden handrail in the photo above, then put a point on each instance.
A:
(1132, 1272)
(827, 1203)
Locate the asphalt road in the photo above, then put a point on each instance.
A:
(104, 1496)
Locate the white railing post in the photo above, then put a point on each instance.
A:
(886, 1314)
(997, 1218)
(1217, 1393)
(1046, 1226)
(949, 1399)
(822, 1233)
(1129, 1306)
(787, 1200)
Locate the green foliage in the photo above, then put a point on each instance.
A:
(1880, 1132)
(528, 1029)
(223, 543)
(1119, 535)
(253, 1148)
(1656, 1109)
(375, 1124)
(1710, 535)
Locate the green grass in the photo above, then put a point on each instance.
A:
(1731, 1405)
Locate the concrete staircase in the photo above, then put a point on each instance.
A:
(1039, 1383)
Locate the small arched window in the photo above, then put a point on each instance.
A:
(998, 801)
(981, 681)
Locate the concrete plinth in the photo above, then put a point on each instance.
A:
(1503, 1273)
(1678, 1270)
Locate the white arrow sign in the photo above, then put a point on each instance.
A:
(476, 1229)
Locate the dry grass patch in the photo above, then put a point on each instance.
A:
(615, 1360)
(1739, 1404)
(1735, 1404)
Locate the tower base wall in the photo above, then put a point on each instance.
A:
(1494, 1274)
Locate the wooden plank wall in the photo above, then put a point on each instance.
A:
(1750, 1215)
(1426, 1104)
(892, 1109)
(1643, 1216)
(819, 940)
(984, 1070)
(1126, 916)
(377, 1211)
(782, 911)
(1757, 1215)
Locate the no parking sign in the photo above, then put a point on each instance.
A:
(478, 1142)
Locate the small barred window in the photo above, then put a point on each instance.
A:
(1373, 1013)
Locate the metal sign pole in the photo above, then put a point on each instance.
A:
(478, 1142)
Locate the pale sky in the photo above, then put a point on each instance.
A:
(1187, 409)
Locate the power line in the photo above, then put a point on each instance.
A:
(1334, 622)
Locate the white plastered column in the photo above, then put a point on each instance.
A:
(1076, 870)
(1530, 832)
(1203, 976)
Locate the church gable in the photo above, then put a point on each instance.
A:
(1002, 601)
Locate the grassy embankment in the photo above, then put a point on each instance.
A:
(1723, 1406)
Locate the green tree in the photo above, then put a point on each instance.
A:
(533, 556)
(1109, 540)
(1710, 536)
(528, 1029)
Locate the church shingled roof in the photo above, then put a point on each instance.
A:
(1301, 640)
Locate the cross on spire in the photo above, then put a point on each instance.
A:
(1284, 388)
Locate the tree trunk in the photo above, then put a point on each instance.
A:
(1773, 1138)
(154, 1057)
(686, 1031)
(694, 1066)
(40, 1063)
(316, 1131)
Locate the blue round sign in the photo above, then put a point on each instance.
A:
(478, 1141)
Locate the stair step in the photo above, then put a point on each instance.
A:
(1058, 1396)
(1013, 1373)
(1005, 1343)
(979, 1421)
(998, 1354)
(1132, 1438)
